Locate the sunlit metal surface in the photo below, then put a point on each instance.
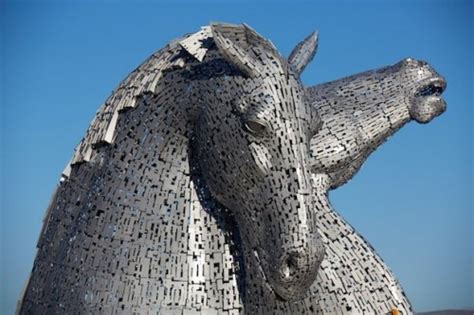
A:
(201, 186)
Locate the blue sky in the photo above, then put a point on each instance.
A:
(413, 198)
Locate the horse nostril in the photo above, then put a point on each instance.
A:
(290, 266)
(286, 270)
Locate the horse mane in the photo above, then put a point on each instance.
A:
(142, 80)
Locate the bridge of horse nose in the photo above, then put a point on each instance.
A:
(411, 62)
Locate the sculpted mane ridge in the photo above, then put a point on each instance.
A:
(142, 80)
(201, 186)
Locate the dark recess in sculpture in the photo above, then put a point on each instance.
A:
(201, 186)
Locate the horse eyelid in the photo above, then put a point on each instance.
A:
(255, 126)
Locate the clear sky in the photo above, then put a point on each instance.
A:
(413, 198)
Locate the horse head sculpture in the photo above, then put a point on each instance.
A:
(360, 112)
(201, 186)
(252, 140)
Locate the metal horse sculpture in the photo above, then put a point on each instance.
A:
(201, 186)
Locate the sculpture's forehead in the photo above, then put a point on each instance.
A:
(274, 86)
(273, 93)
(276, 93)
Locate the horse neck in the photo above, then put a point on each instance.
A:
(175, 228)
(205, 237)
(133, 215)
(204, 242)
(351, 264)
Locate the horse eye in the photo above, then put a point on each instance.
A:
(254, 127)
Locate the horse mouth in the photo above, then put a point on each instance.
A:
(428, 102)
(431, 87)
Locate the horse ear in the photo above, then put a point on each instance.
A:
(303, 53)
(236, 43)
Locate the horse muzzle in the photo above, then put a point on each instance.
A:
(294, 271)
(428, 103)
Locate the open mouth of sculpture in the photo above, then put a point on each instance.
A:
(431, 87)
(428, 102)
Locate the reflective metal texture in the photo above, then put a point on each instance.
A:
(201, 186)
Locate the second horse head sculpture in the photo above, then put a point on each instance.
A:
(201, 186)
